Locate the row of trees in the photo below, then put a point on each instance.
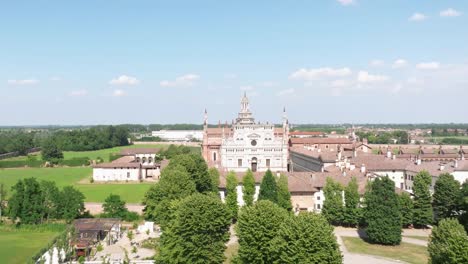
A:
(13, 141)
(385, 137)
(91, 139)
(34, 202)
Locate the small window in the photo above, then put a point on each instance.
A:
(318, 198)
(128, 174)
(239, 163)
(268, 163)
(214, 156)
(318, 206)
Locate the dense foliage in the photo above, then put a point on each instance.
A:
(91, 139)
(401, 137)
(248, 187)
(446, 197)
(406, 209)
(268, 188)
(284, 196)
(214, 176)
(257, 226)
(422, 212)
(231, 194)
(174, 150)
(352, 210)
(382, 213)
(13, 141)
(463, 203)
(50, 151)
(114, 207)
(333, 209)
(34, 202)
(197, 233)
(306, 238)
(196, 167)
(448, 243)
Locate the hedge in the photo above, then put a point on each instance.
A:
(75, 162)
(21, 163)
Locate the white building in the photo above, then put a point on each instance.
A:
(246, 144)
(179, 135)
(134, 165)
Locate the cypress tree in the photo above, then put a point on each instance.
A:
(214, 176)
(422, 213)
(352, 211)
(231, 196)
(284, 196)
(333, 209)
(382, 213)
(406, 209)
(446, 197)
(249, 187)
(268, 188)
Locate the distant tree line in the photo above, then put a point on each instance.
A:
(13, 141)
(91, 139)
(401, 137)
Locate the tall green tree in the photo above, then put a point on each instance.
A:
(249, 187)
(284, 196)
(198, 232)
(71, 203)
(175, 183)
(257, 226)
(352, 211)
(268, 188)
(446, 197)
(463, 205)
(3, 194)
(114, 207)
(406, 209)
(333, 209)
(197, 169)
(382, 213)
(306, 238)
(448, 243)
(231, 194)
(50, 151)
(26, 202)
(214, 176)
(422, 212)
(51, 199)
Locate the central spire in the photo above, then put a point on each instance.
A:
(245, 116)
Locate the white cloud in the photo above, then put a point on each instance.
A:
(23, 82)
(377, 63)
(184, 80)
(246, 88)
(346, 2)
(365, 77)
(450, 12)
(400, 63)
(417, 17)
(340, 83)
(119, 93)
(124, 80)
(78, 93)
(315, 74)
(285, 92)
(428, 65)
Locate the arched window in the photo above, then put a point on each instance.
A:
(143, 160)
(150, 160)
(138, 159)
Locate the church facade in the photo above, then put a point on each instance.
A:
(245, 144)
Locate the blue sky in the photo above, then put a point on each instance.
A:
(327, 61)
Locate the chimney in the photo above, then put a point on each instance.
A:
(344, 173)
(389, 153)
(456, 164)
(352, 166)
(418, 161)
(363, 168)
(442, 167)
(323, 168)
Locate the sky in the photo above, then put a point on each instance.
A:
(325, 61)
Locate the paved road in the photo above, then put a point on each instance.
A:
(96, 208)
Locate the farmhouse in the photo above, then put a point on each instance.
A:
(136, 164)
(91, 231)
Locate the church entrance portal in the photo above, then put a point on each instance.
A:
(254, 164)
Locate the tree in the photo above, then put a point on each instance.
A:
(198, 232)
(51, 199)
(268, 188)
(333, 209)
(257, 226)
(26, 202)
(284, 196)
(446, 197)
(71, 203)
(249, 187)
(422, 212)
(231, 196)
(214, 176)
(382, 213)
(448, 243)
(352, 211)
(406, 209)
(463, 205)
(3, 194)
(114, 207)
(50, 151)
(175, 183)
(306, 238)
(197, 169)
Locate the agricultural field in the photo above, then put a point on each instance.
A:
(17, 246)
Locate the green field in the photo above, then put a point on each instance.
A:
(94, 192)
(406, 252)
(18, 246)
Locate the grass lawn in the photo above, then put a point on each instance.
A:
(230, 252)
(17, 246)
(131, 193)
(405, 252)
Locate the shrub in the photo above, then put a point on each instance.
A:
(448, 243)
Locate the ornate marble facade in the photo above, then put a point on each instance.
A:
(245, 144)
